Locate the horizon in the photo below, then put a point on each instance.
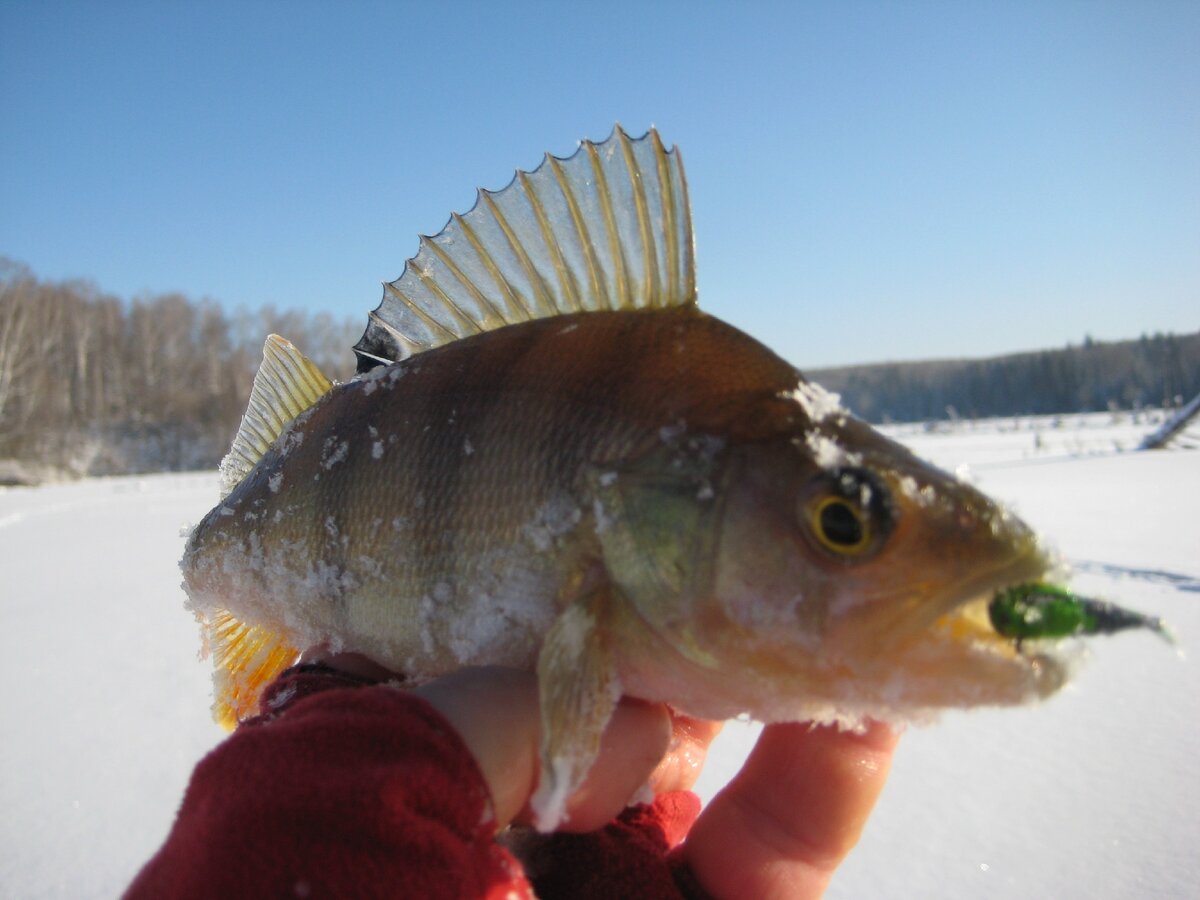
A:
(867, 182)
(1087, 341)
(233, 310)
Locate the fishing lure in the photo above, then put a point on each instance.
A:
(1035, 610)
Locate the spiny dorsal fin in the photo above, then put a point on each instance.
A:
(287, 383)
(607, 228)
(246, 658)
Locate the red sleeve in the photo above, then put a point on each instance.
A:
(630, 858)
(350, 789)
(340, 791)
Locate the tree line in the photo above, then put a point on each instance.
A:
(94, 384)
(1153, 370)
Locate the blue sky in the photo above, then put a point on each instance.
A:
(868, 181)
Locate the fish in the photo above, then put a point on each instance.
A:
(550, 458)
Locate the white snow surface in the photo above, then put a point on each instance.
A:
(1092, 794)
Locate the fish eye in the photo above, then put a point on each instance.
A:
(840, 526)
(848, 513)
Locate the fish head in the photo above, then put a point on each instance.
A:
(856, 573)
(847, 578)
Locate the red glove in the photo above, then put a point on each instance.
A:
(346, 788)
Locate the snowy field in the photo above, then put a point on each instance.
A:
(1093, 794)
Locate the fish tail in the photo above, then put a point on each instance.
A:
(246, 659)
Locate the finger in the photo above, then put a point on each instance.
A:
(632, 747)
(690, 740)
(496, 713)
(797, 807)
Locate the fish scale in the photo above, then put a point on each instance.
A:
(566, 402)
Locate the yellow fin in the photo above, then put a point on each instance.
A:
(607, 228)
(287, 383)
(246, 658)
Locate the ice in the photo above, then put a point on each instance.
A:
(1092, 794)
(334, 452)
(818, 404)
(381, 376)
(555, 518)
(827, 453)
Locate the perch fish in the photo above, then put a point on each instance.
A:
(552, 459)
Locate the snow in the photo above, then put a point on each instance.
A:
(1093, 793)
(106, 707)
(818, 404)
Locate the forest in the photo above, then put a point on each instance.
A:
(92, 384)
(1160, 370)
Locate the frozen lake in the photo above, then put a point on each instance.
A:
(1094, 793)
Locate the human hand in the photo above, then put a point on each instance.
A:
(495, 711)
(779, 829)
(786, 821)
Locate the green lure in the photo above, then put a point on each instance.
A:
(1030, 611)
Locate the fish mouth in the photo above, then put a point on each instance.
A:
(960, 659)
(968, 607)
(939, 650)
(968, 621)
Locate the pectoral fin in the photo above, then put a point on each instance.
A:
(579, 691)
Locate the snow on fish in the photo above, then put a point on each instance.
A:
(552, 459)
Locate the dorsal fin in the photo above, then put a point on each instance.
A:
(607, 228)
(287, 383)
